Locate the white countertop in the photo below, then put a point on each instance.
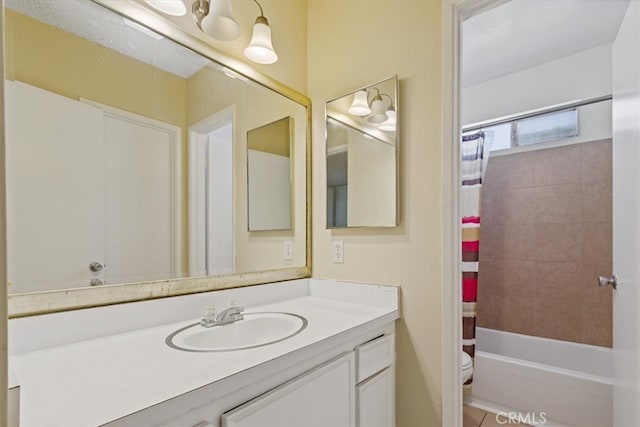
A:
(93, 382)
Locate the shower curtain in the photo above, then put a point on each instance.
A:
(474, 160)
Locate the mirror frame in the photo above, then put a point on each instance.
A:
(37, 303)
(397, 152)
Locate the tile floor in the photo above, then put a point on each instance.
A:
(474, 417)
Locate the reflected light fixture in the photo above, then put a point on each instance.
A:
(360, 104)
(375, 111)
(260, 48)
(215, 18)
(170, 7)
(378, 110)
(390, 124)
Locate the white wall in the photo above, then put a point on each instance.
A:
(581, 76)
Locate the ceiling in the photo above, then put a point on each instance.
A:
(99, 25)
(523, 33)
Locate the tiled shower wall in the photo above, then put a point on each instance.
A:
(545, 238)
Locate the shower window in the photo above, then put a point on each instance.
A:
(532, 130)
(547, 127)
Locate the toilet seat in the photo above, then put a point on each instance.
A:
(466, 361)
(467, 367)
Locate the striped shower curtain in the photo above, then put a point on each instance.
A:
(474, 158)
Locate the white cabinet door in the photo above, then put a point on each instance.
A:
(322, 397)
(375, 400)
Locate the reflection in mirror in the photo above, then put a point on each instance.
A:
(126, 154)
(362, 157)
(269, 176)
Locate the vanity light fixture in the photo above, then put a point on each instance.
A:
(215, 18)
(260, 48)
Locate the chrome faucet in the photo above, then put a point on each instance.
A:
(228, 315)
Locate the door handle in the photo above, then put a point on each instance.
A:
(96, 266)
(608, 281)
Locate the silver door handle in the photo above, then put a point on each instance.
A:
(608, 281)
(96, 266)
(96, 282)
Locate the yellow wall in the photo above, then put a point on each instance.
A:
(255, 106)
(352, 43)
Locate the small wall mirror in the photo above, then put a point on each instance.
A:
(269, 176)
(362, 157)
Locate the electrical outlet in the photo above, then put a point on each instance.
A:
(338, 251)
(288, 250)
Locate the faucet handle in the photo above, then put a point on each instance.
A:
(236, 305)
(208, 313)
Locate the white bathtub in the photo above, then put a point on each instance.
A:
(562, 383)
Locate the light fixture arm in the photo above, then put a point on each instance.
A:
(390, 101)
(261, 11)
(200, 9)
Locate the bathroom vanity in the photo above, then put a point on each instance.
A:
(74, 368)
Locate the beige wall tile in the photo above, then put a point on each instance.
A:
(512, 242)
(513, 206)
(558, 203)
(598, 323)
(486, 205)
(514, 314)
(597, 201)
(512, 171)
(559, 319)
(597, 242)
(561, 165)
(597, 161)
(513, 278)
(486, 317)
(486, 270)
(546, 242)
(561, 280)
(558, 242)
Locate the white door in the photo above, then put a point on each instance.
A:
(55, 201)
(140, 207)
(626, 219)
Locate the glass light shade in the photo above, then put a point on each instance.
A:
(360, 105)
(219, 22)
(170, 7)
(260, 49)
(378, 108)
(390, 124)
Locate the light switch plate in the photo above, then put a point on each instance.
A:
(288, 250)
(338, 251)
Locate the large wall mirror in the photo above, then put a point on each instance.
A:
(127, 172)
(362, 157)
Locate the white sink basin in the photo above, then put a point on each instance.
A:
(255, 330)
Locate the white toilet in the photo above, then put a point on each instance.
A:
(467, 367)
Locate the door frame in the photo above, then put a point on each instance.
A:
(175, 134)
(454, 12)
(197, 225)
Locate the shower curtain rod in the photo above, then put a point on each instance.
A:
(533, 113)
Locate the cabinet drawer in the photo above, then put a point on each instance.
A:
(374, 356)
